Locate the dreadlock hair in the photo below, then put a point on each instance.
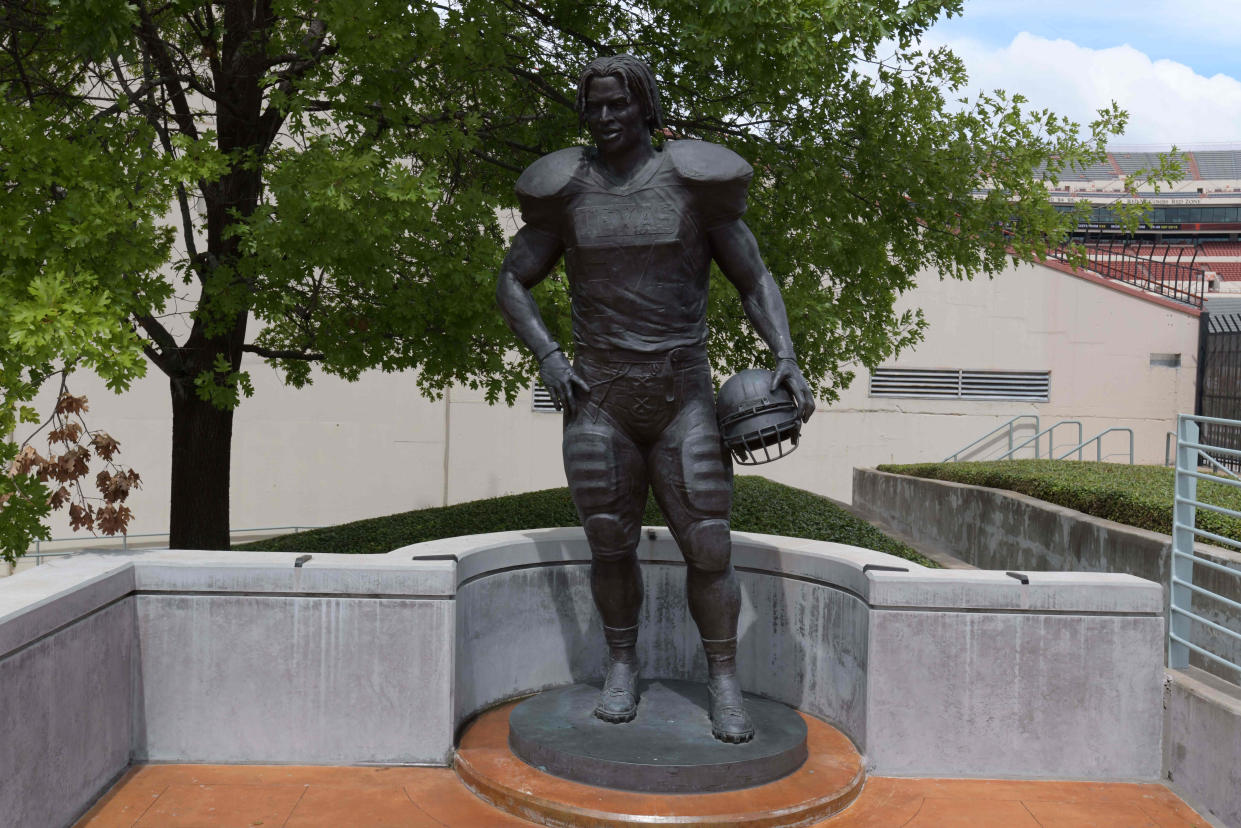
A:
(637, 78)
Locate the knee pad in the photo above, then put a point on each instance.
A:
(708, 545)
(610, 539)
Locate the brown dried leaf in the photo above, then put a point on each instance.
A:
(78, 455)
(105, 445)
(59, 498)
(69, 404)
(49, 469)
(59, 469)
(67, 434)
(81, 517)
(115, 488)
(26, 460)
(113, 519)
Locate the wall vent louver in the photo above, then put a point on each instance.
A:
(959, 384)
(542, 400)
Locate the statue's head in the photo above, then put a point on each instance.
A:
(634, 75)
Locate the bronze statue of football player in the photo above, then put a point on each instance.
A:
(638, 227)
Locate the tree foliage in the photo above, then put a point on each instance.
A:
(338, 171)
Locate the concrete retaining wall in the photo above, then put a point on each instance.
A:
(996, 529)
(67, 650)
(1202, 742)
(270, 657)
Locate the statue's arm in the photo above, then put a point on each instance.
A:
(531, 257)
(736, 252)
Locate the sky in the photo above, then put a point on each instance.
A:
(1174, 66)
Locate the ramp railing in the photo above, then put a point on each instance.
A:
(1099, 456)
(1010, 427)
(1050, 432)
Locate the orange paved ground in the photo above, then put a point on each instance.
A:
(242, 796)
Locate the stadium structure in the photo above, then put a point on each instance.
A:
(1189, 246)
(1188, 249)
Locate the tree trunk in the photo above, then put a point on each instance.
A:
(202, 439)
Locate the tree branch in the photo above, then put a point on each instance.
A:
(541, 85)
(546, 20)
(168, 357)
(496, 161)
(276, 353)
(314, 45)
(158, 50)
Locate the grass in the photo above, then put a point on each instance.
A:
(759, 505)
(1140, 496)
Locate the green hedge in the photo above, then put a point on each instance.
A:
(759, 505)
(1134, 495)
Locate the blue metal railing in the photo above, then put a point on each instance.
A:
(1011, 425)
(1098, 443)
(1191, 455)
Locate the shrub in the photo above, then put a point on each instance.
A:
(759, 505)
(1139, 496)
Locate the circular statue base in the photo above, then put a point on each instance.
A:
(825, 784)
(667, 748)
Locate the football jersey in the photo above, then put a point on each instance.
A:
(636, 252)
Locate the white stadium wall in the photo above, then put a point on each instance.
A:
(340, 451)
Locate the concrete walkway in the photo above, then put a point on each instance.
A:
(247, 796)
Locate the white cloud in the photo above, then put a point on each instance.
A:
(1167, 101)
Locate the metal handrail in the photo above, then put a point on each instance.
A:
(1098, 441)
(1010, 425)
(38, 555)
(1051, 440)
(1190, 451)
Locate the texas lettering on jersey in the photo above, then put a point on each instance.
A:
(624, 224)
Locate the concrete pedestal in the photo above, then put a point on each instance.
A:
(667, 748)
(826, 783)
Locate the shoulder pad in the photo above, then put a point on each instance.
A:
(707, 163)
(549, 175)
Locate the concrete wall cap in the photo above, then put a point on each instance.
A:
(39, 600)
(833, 564)
(1059, 592)
(36, 601)
(480, 555)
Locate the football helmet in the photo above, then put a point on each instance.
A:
(758, 425)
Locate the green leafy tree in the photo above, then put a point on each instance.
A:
(336, 172)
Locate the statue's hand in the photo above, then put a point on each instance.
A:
(560, 381)
(790, 376)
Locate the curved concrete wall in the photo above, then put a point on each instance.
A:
(526, 622)
(335, 659)
(935, 672)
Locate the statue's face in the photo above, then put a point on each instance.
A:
(614, 117)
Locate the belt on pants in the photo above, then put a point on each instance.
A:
(672, 360)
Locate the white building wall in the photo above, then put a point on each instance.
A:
(1095, 339)
(342, 451)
